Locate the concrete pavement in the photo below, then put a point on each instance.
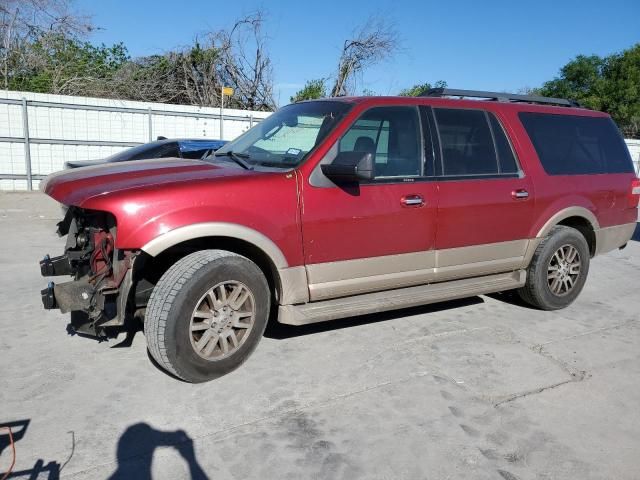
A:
(483, 388)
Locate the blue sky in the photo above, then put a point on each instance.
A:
(488, 45)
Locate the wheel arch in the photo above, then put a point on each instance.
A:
(162, 252)
(579, 218)
(238, 232)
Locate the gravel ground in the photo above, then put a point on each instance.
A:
(483, 388)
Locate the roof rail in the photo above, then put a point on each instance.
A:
(499, 96)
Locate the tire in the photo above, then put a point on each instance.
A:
(184, 307)
(544, 288)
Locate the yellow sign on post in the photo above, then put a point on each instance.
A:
(228, 91)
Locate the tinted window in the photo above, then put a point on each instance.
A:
(160, 151)
(574, 145)
(506, 159)
(195, 154)
(392, 135)
(466, 142)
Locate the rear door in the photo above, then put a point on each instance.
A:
(485, 200)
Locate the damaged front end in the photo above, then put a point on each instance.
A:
(102, 273)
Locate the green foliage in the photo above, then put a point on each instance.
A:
(61, 64)
(610, 84)
(312, 89)
(421, 88)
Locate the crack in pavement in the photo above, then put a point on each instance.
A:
(534, 391)
(590, 332)
(575, 375)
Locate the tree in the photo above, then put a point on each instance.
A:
(22, 22)
(59, 64)
(421, 88)
(373, 42)
(610, 84)
(312, 89)
(246, 63)
(45, 52)
(195, 75)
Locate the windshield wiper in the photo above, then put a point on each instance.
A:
(239, 158)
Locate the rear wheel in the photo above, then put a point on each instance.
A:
(558, 270)
(207, 314)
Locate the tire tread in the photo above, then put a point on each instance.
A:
(162, 298)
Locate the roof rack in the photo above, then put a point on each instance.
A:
(499, 96)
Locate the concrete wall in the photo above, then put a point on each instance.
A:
(107, 131)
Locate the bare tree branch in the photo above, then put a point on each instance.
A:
(375, 41)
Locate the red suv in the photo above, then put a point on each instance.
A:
(342, 207)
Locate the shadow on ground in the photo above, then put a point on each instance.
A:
(137, 445)
(9, 442)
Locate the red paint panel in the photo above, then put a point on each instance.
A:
(369, 221)
(179, 194)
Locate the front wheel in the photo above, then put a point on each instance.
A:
(558, 270)
(207, 314)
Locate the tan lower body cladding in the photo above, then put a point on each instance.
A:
(353, 277)
(322, 281)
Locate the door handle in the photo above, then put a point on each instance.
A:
(412, 201)
(520, 194)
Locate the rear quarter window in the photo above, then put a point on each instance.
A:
(577, 145)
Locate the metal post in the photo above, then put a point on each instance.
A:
(150, 125)
(221, 113)
(251, 120)
(27, 148)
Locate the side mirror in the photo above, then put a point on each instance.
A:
(350, 167)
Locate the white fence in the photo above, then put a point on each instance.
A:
(634, 149)
(39, 132)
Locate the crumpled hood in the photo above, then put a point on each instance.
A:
(74, 187)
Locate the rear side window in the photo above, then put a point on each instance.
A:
(576, 145)
(473, 143)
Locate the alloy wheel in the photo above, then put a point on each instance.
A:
(222, 320)
(564, 270)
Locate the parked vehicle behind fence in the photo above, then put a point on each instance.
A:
(195, 149)
(341, 207)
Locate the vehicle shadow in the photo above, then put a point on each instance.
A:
(280, 331)
(512, 298)
(137, 445)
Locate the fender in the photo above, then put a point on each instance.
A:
(216, 229)
(566, 213)
(293, 280)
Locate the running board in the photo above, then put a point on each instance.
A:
(401, 298)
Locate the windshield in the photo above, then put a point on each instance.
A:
(286, 137)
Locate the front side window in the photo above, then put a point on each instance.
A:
(286, 137)
(392, 136)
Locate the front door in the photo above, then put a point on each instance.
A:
(380, 234)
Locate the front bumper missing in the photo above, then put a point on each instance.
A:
(68, 296)
(51, 267)
(100, 303)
